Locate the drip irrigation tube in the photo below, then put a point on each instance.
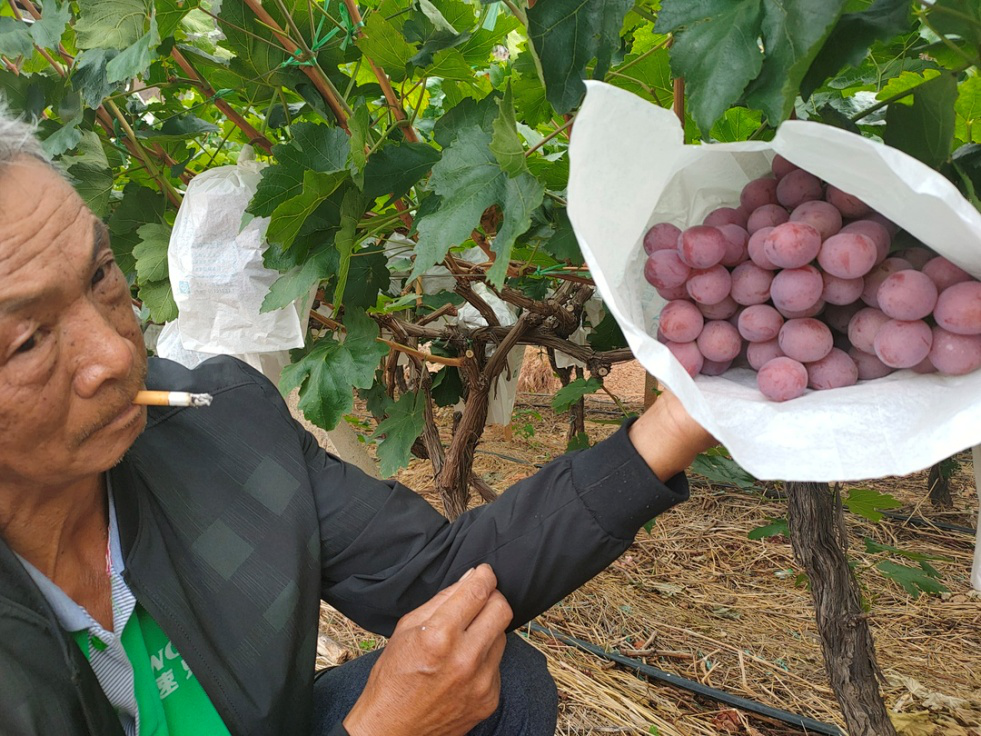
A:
(807, 724)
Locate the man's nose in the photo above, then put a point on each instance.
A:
(102, 353)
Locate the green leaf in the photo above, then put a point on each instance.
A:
(851, 38)
(360, 127)
(910, 579)
(873, 547)
(904, 81)
(47, 32)
(736, 124)
(134, 60)
(716, 466)
(468, 180)
(776, 528)
(568, 395)
(793, 34)
(968, 108)
(90, 172)
(394, 168)
(151, 253)
(385, 46)
(15, 38)
(505, 143)
(450, 64)
(110, 24)
(714, 50)
(321, 148)
(329, 370)
(254, 50)
(63, 139)
(368, 276)
(376, 398)
(563, 245)
(467, 114)
(352, 208)
(170, 13)
(288, 218)
(405, 422)
(178, 128)
(447, 387)
(925, 129)
(606, 335)
(298, 281)
(529, 93)
(139, 205)
(89, 76)
(278, 184)
(567, 35)
(867, 503)
(158, 298)
(948, 17)
(581, 442)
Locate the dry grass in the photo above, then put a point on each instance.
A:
(701, 600)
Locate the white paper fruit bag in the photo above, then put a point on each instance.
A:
(630, 169)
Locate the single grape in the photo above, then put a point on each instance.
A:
(849, 205)
(863, 328)
(841, 291)
(701, 246)
(798, 187)
(907, 295)
(715, 368)
(781, 166)
(687, 354)
(792, 244)
(736, 240)
(955, 355)
(838, 316)
(796, 289)
(868, 364)
(959, 308)
(721, 310)
(755, 249)
(876, 233)
(823, 217)
(805, 339)
(663, 236)
(834, 370)
(903, 344)
(681, 321)
(758, 193)
(719, 341)
(875, 277)
(665, 269)
(759, 323)
(751, 284)
(782, 379)
(891, 227)
(660, 336)
(847, 255)
(710, 285)
(918, 256)
(944, 273)
(675, 292)
(769, 215)
(725, 216)
(758, 354)
(812, 311)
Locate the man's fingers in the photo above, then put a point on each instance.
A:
(466, 599)
(492, 620)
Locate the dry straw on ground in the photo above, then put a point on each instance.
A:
(699, 599)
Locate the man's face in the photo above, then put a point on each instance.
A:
(71, 352)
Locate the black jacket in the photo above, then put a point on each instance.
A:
(234, 524)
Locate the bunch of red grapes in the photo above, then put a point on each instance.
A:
(801, 283)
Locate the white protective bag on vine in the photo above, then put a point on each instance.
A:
(216, 270)
(631, 169)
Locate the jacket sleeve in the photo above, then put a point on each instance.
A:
(386, 551)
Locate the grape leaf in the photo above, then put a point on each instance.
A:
(925, 129)
(581, 442)
(569, 394)
(606, 335)
(278, 184)
(563, 245)
(89, 76)
(158, 298)
(328, 370)
(110, 24)
(139, 205)
(297, 282)
(255, 50)
(405, 422)
(468, 180)
(179, 127)
(288, 218)
(352, 208)
(714, 50)
(913, 581)
(368, 276)
(968, 108)
(904, 81)
(151, 252)
(793, 34)
(320, 147)
(505, 143)
(360, 127)
(47, 31)
(529, 93)
(134, 59)
(776, 528)
(385, 46)
(567, 35)
(63, 139)
(736, 124)
(866, 503)
(447, 387)
(15, 38)
(90, 172)
(468, 113)
(953, 21)
(170, 13)
(851, 38)
(717, 467)
(873, 547)
(394, 168)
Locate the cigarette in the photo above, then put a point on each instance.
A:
(171, 398)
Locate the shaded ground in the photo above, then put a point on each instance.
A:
(697, 598)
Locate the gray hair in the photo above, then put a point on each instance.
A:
(17, 138)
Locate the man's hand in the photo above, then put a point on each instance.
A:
(667, 437)
(440, 673)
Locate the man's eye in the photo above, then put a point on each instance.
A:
(28, 344)
(100, 273)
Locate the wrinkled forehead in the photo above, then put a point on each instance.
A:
(43, 221)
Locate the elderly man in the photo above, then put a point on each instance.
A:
(161, 572)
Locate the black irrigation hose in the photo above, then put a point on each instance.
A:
(807, 724)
